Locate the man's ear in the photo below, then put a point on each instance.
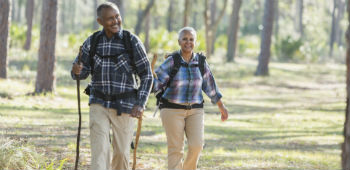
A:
(99, 20)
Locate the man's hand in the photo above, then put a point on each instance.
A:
(136, 111)
(76, 69)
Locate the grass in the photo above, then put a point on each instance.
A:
(290, 120)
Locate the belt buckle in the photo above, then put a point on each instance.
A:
(188, 107)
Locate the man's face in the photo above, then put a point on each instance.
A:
(187, 41)
(111, 21)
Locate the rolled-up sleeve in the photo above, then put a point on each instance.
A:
(209, 85)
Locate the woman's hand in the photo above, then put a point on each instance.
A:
(223, 110)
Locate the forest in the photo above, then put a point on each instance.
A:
(283, 67)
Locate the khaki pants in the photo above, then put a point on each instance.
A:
(101, 120)
(176, 123)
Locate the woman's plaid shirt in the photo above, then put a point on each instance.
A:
(116, 77)
(187, 85)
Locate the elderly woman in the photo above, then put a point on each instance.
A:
(181, 78)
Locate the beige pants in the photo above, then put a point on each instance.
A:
(176, 123)
(101, 120)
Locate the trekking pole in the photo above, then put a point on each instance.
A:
(79, 111)
(139, 124)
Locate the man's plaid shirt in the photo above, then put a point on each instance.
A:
(114, 78)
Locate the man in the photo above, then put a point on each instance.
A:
(114, 95)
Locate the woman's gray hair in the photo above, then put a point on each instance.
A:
(187, 29)
(106, 5)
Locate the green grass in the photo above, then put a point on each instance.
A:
(291, 120)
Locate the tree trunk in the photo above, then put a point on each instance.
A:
(345, 155)
(45, 79)
(29, 17)
(147, 28)
(234, 27)
(339, 37)
(276, 22)
(194, 16)
(170, 16)
(334, 28)
(5, 20)
(211, 27)
(299, 19)
(95, 23)
(19, 11)
(213, 9)
(264, 56)
(120, 4)
(187, 12)
(141, 16)
(71, 15)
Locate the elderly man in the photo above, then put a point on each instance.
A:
(114, 58)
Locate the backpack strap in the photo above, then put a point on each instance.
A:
(95, 38)
(201, 63)
(128, 47)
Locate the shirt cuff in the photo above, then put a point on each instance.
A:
(216, 98)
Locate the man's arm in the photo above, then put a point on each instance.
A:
(143, 69)
(82, 69)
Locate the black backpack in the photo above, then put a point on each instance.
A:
(94, 42)
(177, 64)
(95, 38)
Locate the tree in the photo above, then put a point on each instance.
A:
(234, 27)
(337, 15)
(147, 28)
(170, 16)
(141, 16)
(187, 12)
(95, 24)
(45, 78)
(264, 56)
(345, 155)
(299, 17)
(120, 4)
(5, 20)
(211, 27)
(29, 18)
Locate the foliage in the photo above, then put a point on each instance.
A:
(18, 154)
(248, 46)
(288, 49)
(17, 35)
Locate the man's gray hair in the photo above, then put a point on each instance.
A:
(187, 29)
(105, 5)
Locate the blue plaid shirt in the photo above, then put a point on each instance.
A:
(187, 85)
(114, 78)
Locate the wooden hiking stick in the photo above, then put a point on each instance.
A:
(139, 124)
(79, 111)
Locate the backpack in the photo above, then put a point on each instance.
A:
(177, 64)
(93, 46)
(95, 38)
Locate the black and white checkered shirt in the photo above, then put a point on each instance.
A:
(116, 77)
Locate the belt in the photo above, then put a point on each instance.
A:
(166, 104)
(114, 97)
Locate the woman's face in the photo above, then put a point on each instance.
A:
(187, 42)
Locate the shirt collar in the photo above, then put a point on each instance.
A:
(193, 58)
(118, 35)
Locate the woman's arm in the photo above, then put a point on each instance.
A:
(223, 110)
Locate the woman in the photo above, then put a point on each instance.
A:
(182, 101)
